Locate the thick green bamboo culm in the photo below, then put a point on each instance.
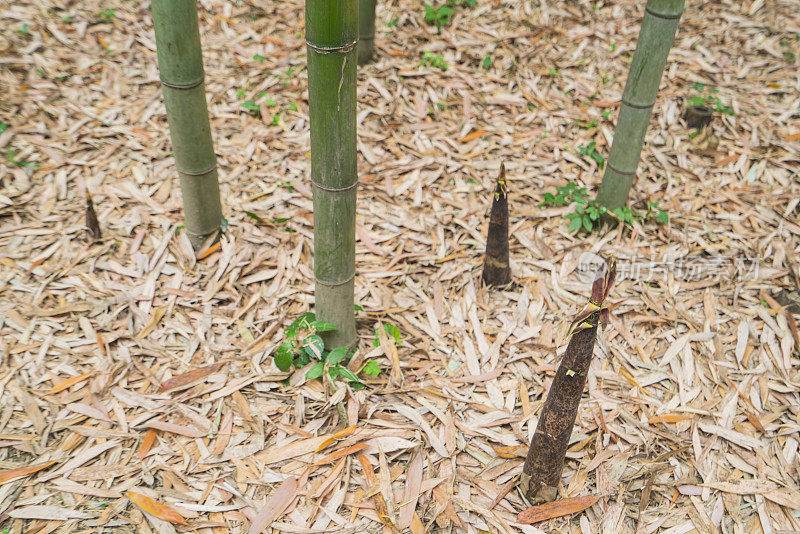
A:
(331, 40)
(366, 30)
(180, 66)
(656, 36)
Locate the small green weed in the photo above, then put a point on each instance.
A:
(304, 345)
(486, 63)
(3, 127)
(393, 23)
(588, 212)
(251, 107)
(240, 93)
(107, 15)
(707, 97)
(23, 30)
(12, 158)
(566, 194)
(590, 151)
(259, 57)
(440, 16)
(390, 330)
(434, 60)
(584, 125)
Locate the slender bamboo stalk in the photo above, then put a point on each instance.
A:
(496, 269)
(656, 36)
(545, 460)
(366, 30)
(331, 38)
(180, 64)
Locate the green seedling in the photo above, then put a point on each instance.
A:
(12, 158)
(107, 15)
(251, 107)
(588, 213)
(439, 16)
(304, 345)
(708, 98)
(434, 60)
(487, 62)
(393, 23)
(391, 330)
(23, 30)
(590, 151)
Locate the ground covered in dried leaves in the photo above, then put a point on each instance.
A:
(691, 419)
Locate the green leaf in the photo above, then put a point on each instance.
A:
(315, 371)
(371, 368)
(250, 105)
(3, 127)
(662, 217)
(575, 225)
(284, 355)
(359, 307)
(549, 197)
(304, 321)
(241, 92)
(580, 208)
(487, 62)
(391, 330)
(313, 346)
(259, 57)
(301, 360)
(347, 374)
(336, 355)
(269, 102)
(587, 223)
(333, 371)
(292, 106)
(253, 216)
(322, 326)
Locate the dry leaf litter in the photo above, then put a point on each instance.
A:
(691, 419)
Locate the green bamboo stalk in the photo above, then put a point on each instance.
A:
(331, 38)
(656, 36)
(366, 30)
(180, 65)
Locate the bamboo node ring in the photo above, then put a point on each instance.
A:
(332, 49)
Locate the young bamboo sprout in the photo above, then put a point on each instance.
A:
(331, 38)
(366, 30)
(91, 219)
(545, 460)
(180, 65)
(496, 269)
(655, 39)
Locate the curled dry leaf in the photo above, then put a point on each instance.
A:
(155, 508)
(11, 474)
(189, 377)
(69, 382)
(550, 510)
(147, 442)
